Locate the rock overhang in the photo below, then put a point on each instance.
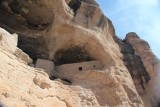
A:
(36, 43)
(94, 34)
(91, 47)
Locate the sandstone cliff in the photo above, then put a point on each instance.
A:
(76, 47)
(143, 66)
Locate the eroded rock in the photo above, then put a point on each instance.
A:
(56, 38)
(140, 61)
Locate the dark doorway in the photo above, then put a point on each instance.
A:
(80, 68)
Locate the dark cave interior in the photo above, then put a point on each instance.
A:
(73, 54)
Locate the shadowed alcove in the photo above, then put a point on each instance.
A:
(73, 54)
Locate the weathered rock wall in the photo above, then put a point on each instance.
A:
(142, 64)
(23, 86)
(65, 31)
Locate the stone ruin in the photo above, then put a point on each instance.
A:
(79, 67)
(47, 65)
(72, 59)
(50, 68)
(64, 37)
(53, 71)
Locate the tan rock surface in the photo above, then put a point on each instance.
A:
(22, 85)
(143, 50)
(151, 64)
(65, 35)
(8, 41)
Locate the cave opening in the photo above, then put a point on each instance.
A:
(34, 47)
(73, 54)
(75, 5)
(15, 6)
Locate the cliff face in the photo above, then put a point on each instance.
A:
(82, 64)
(143, 66)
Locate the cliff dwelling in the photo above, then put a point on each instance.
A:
(72, 60)
(68, 55)
(75, 58)
(32, 20)
(79, 67)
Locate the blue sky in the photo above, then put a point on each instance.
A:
(140, 16)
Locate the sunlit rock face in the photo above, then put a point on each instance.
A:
(143, 66)
(70, 33)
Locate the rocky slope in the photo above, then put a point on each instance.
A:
(70, 33)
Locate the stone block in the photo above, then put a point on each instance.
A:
(47, 65)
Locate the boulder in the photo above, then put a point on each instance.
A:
(46, 65)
